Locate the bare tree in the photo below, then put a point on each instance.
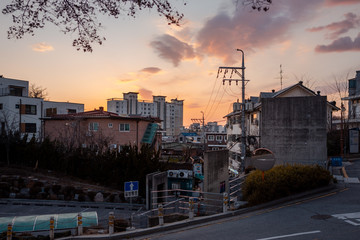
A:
(9, 128)
(260, 5)
(37, 92)
(79, 16)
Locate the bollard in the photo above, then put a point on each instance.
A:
(161, 215)
(191, 208)
(111, 222)
(9, 232)
(52, 226)
(80, 226)
(225, 202)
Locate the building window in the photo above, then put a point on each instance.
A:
(219, 138)
(211, 137)
(1, 106)
(124, 127)
(71, 111)
(93, 126)
(17, 106)
(30, 127)
(30, 109)
(50, 112)
(110, 125)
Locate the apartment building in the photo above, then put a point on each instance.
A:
(292, 123)
(170, 113)
(19, 112)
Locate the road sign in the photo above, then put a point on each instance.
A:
(131, 189)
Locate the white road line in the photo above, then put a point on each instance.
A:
(290, 235)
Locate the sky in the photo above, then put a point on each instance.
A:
(317, 42)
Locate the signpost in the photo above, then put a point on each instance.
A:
(131, 189)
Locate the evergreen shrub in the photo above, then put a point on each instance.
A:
(282, 181)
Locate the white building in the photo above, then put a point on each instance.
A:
(19, 112)
(170, 113)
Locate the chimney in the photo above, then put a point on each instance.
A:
(301, 83)
(318, 93)
(101, 109)
(273, 90)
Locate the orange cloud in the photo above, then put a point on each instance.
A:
(42, 47)
(145, 93)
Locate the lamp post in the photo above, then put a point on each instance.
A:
(243, 130)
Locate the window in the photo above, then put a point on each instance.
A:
(50, 112)
(110, 125)
(29, 109)
(1, 106)
(93, 126)
(124, 127)
(71, 111)
(211, 137)
(17, 106)
(30, 127)
(219, 138)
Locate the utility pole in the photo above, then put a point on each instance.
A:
(242, 75)
(202, 122)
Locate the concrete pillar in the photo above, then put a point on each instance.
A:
(9, 232)
(52, 226)
(80, 226)
(191, 208)
(161, 215)
(111, 222)
(225, 202)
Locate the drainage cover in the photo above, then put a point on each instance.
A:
(321, 217)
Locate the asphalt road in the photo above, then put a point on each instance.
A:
(334, 215)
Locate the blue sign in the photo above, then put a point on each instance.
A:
(131, 189)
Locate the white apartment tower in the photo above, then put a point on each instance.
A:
(19, 112)
(170, 113)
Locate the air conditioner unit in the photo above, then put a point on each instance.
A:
(185, 174)
(172, 173)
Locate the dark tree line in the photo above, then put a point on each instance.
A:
(109, 168)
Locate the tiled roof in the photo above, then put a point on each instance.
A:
(98, 114)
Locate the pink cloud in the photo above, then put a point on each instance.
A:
(340, 45)
(337, 28)
(341, 2)
(151, 70)
(145, 93)
(172, 49)
(251, 30)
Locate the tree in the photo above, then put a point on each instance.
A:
(258, 4)
(79, 16)
(37, 92)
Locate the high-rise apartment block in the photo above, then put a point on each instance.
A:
(170, 113)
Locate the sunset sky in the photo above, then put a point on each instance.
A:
(314, 41)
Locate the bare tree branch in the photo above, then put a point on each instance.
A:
(79, 16)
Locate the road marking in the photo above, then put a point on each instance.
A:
(351, 218)
(290, 235)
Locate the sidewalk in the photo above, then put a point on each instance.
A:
(205, 219)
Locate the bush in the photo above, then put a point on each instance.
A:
(282, 181)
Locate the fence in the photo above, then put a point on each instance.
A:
(178, 204)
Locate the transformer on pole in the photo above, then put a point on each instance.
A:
(242, 75)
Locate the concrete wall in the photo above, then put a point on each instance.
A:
(216, 170)
(294, 128)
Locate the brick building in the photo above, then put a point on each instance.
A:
(100, 129)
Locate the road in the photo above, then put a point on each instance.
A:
(335, 215)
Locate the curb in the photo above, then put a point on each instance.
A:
(205, 219)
